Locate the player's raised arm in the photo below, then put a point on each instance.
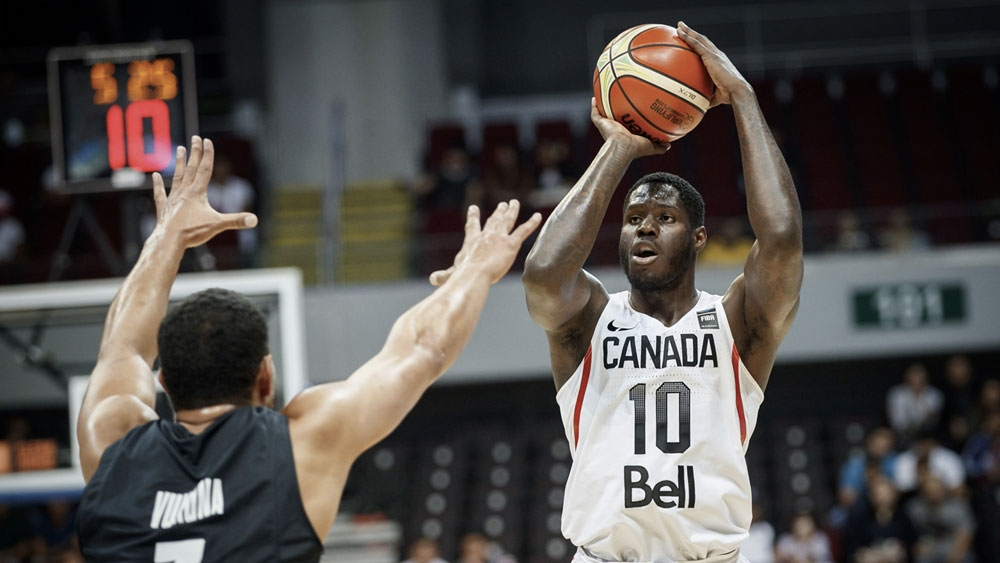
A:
(560, 293)
(121, 394)
(761, 303)
(332, 424)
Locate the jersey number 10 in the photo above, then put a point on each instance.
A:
(673, 417)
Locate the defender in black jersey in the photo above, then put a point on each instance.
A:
(231, 479)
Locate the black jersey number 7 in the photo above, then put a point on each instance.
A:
(666, 417)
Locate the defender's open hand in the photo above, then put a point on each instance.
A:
(729, 83)
(640, 146)
(492, 247)
(185, 213)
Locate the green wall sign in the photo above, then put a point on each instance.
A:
(909, 305)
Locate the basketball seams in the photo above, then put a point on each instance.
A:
(674, 78)
(651, 69)
(671, 45)
(639, 111)
(631, 67)
(689, 102)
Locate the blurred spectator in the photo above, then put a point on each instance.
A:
(850, 236)
(554, 177)
(989, 402)
(504, 178)
(452, 184)
(55, 526)
(729, 247)
(804, 543)
(982, 462)
(899, 234)
(944, 525)
(424, 550)
(982, 453)
(956, 415)
(759, 545)
(928, 459)
(15, 535)
(878, 531)
(12, 236)
(475, 548)
(913, 406)
(878, 454)
(228, 193)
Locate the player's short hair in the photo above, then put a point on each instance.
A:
(690, 198)
(211, 345)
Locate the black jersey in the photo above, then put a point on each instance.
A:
(163, 494)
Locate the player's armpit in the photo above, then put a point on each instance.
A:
(553, 307)
(106, 422)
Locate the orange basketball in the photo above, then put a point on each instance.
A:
(650, 81)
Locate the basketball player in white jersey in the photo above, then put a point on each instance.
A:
(659, 386)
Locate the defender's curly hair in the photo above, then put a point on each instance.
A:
(211, 345)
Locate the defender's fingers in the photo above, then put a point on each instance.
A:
(194, 159)
(180, 166)
(594, 113)
(204, 174)
(524, 230)
(440, 276)
(238, 220)
(510, 216)
(159, 194)
(472, 225)
(497, 215)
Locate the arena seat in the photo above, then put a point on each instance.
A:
(825, 184)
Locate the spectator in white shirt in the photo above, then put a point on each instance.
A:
(228, 193)
(804, 543)
(927, 458)
(913, 406)
(759, 545)
(424, 550)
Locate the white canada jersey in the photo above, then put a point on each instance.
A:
(658, 419)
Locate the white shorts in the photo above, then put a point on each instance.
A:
(582, 556)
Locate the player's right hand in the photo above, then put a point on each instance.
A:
(185, 213)
(611, 129)
(490, 248)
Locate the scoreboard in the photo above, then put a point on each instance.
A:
(118, 112)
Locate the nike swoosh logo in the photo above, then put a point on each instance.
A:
(613, 328)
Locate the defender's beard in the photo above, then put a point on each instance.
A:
(646, 281)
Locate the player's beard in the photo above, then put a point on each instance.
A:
(679, 265)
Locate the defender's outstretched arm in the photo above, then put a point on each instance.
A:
(121, 394)
(332, 424)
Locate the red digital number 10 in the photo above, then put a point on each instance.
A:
(129, 127)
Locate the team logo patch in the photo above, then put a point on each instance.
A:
(708, 319)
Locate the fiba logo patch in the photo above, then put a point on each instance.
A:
(708, 319)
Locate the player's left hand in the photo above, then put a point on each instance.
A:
(730, 85)
(185, 213)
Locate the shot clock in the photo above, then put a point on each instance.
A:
(118, 112)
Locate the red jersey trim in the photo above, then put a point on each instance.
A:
(739, 395)
(580, 394)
